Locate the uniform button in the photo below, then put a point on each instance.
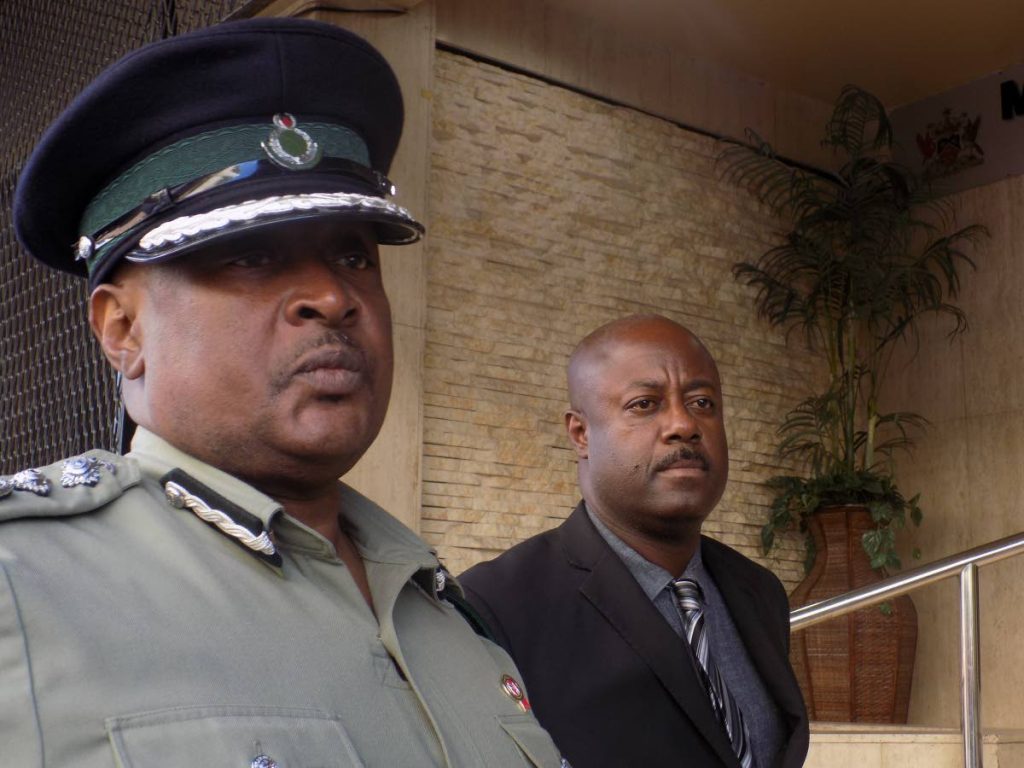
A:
(263, 761)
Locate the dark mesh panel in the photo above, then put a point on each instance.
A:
(56, 391)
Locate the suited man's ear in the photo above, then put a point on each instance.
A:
(576, 427)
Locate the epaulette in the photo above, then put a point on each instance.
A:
(74, 486)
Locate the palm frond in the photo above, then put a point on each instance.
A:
(856, 114)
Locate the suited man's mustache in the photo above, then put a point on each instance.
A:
(682, 454)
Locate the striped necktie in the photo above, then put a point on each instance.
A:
(691, 603)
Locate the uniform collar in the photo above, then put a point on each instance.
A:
(157, 457)
(378, 536)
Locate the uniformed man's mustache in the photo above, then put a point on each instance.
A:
(331, 349)
(680, 455)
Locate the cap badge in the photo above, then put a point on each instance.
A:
(514, 691)
(291, 147)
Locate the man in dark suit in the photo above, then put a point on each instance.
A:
(642, 642)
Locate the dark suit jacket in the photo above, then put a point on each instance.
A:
(604, 671)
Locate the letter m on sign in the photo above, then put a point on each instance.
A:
(1012, 98)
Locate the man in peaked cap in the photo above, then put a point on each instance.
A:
(217, 597)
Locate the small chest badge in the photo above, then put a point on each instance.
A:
(514, 691)
(291, 147)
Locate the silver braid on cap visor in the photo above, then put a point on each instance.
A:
(180, 498)
(170, 236)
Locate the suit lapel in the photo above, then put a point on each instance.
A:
(613, 591)
(748, 611)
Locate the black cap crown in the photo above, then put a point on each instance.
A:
(243, 124)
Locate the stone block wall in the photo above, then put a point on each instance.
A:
(551, 213)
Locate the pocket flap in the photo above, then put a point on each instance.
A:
(533, 740)
(232, 737)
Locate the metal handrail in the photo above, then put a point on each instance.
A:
(965, 565)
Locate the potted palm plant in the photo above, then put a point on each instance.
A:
(870, 249)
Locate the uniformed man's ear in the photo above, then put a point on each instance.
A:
(112, 316)
(576, 427)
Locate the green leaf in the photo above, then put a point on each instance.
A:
(872, 542)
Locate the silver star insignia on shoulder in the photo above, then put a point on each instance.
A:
(84, 470)
(31, 480)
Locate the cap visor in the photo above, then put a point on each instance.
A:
(394, 224)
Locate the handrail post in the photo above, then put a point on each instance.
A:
(970, 664)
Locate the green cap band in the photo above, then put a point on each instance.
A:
(204, 154)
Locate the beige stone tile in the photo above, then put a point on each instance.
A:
(1014, 221)
(922, 752)
(993, 299)
(993, 361)
(927, 378)
(937, 469)
(934, 695)
(1001, 627)
(1006, 756)
(843, 754)
(995, 271)
(995, 459)
(993, 352)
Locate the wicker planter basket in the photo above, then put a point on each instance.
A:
(858, 667)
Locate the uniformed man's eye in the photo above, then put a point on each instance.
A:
(353, 260)
(704, 403)
(252, 259)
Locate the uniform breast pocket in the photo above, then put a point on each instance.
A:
(232, 737)
(532, 740)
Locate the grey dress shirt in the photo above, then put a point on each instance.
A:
(760, 712)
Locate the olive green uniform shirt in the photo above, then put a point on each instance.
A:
(134, 634)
